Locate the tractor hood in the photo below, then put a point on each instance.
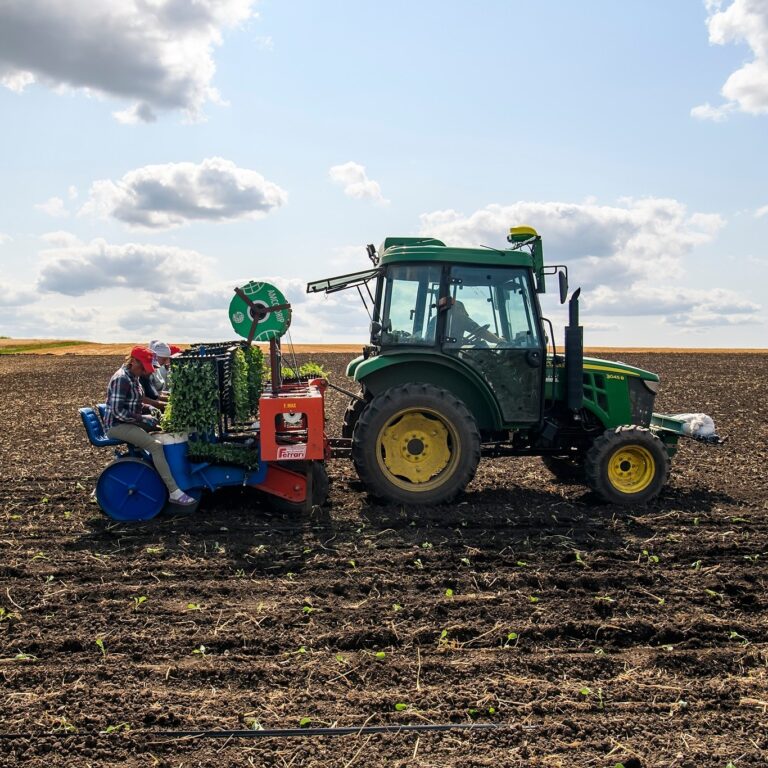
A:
(596, 365)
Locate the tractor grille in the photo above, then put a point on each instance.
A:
(641, 399)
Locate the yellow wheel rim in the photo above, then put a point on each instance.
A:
(417, 449)
(631, 469)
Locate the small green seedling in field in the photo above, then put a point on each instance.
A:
(101, 647)
(417, 562)
(7, 615)
(711, 593)
(604, 599)
(352, 564)
(21, 656)
(533, 599)
(305, 722)
(307, 610)
(466, 561)
(380, 655)
(199, 651)
(733, 635)
(512, 638)
(139, 601)
(117, 728)
(194, 607)
(253, 724)
(752, 558)
(397, 607)
(401, 706)
(64, 725)
(449, 592)
(579, 559)
(652, 559)
(427, 545)
(154, 550)
(696, 565)
(521, 564)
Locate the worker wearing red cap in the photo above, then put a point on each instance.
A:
(125, 418)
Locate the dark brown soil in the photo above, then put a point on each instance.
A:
(591, 635)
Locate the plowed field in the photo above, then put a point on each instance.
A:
(589, 635)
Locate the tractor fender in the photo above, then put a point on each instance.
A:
(377, 374)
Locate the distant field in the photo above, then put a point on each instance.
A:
(74, 347)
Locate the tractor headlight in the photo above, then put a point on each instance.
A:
(653, 386)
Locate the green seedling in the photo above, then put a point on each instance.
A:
(752, 558)
(417, 562)
(466, 561)
(696, 565)
(521, 564)
(139, 601)
(604, 599)
(352, 564)
(154, 550)
(21, 656)
(652, 559)
(253, 724)
(117, 728)
(585, 692)
(711, 593)
(7, 615)
(307, 610)
(194, 607)
(305, 722)
(449, 592)
(579, 558)
(427, 545)
(512, 638)
(733, 635)
(199, 651)
(397, 607)
(533, 599)
(401, 706)
(40, 556)
(380, 655)
(64, 725)
(101, 647)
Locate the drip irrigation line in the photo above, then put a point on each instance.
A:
(282, 732)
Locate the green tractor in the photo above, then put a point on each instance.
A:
(462, 364)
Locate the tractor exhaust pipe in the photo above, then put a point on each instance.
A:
(574, 356)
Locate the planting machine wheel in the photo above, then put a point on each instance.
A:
(628, 465)
(417, 444)
(130, 490)
(320, 484)
(565, 468)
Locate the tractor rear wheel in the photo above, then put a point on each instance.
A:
(628, 465)
(565, 468)
(416, 444)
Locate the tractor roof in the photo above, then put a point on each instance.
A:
(409, 249)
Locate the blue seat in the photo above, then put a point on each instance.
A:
(94, 426)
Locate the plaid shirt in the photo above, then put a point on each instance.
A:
(124, 395)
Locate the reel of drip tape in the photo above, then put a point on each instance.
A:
(248, 307)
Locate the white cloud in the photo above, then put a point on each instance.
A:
(75, 268)
(156, 53)
(618, 253)
(760, 212)
(5, 238)
(163, 196)
(354, 179)
(54, 206)
(746, 89)
(14, 295)
(60, 239)
(611, 244)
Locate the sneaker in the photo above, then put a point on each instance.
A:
(179, 497)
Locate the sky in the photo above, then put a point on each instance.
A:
(155, 154)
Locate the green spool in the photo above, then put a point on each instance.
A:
(264, 295)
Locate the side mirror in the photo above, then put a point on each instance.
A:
(375, 328)
(563, 280)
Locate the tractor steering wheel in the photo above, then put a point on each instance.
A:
(475, 334)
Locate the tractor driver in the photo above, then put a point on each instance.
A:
(464, 329)
(126, 420)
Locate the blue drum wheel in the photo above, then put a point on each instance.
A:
(130, 490)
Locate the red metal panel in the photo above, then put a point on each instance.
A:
(280, 445)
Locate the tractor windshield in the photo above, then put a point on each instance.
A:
(410, 304)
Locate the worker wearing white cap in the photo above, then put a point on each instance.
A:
(162, 353)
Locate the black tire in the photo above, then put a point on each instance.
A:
(627, 465)
(416, 444)
(351, 415)
(320, 487)
(565, 468)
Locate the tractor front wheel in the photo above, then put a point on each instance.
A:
(628, 465)
(416, 444)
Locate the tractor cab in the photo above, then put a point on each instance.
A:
(484, 317)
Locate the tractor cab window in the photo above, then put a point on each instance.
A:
(409, 306)
(491, 308)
